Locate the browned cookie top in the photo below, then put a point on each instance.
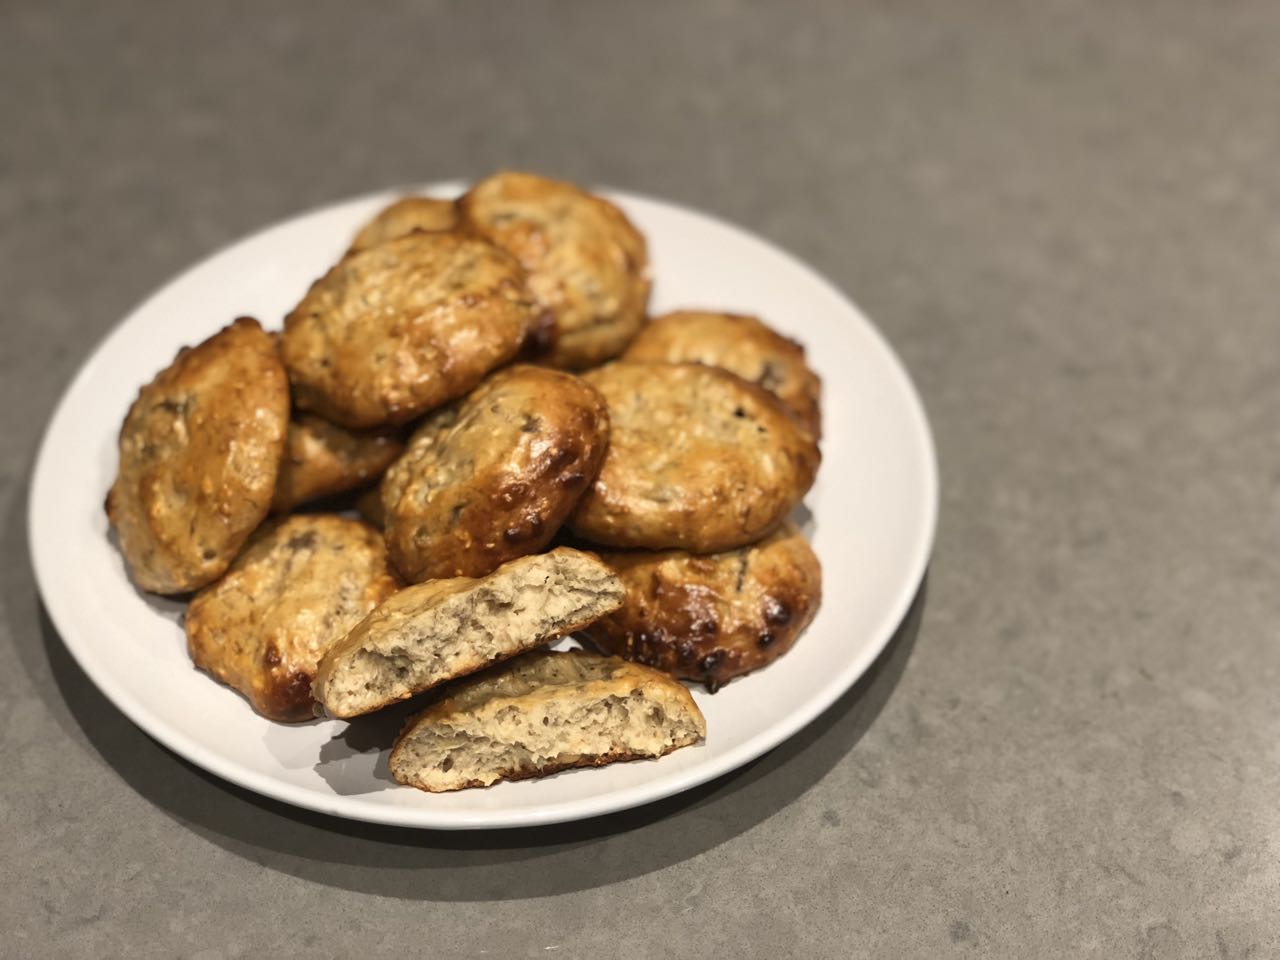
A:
(322, 458)
(494, 475)
(199, 453)
(404, 216)
(298, 588)
(587, 264)
(712, 617)
(740, 344)
(698, 459)
(398, 329)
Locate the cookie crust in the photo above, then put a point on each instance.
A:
(698, 460)
(588, 265)
(200, 451)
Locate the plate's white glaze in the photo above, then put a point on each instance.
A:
(873, 512)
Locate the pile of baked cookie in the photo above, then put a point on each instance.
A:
(533, 457)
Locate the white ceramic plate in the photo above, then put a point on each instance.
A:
(872, 519)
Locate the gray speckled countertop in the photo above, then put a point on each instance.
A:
(1067, 223)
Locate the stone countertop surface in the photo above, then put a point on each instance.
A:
(1066, 219)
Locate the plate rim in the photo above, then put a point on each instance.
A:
(921, 436)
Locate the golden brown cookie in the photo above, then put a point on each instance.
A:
(494, 475)
(587, 264)
(544, 712)
(712, 617)
(740, 344)
(322, 458)
(400, 328)
(298, 588)
(698, 460)
(437, 631)
(404, 216)
(199, 453)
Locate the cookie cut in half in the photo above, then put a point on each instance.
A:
(444, 629)
(544, 712)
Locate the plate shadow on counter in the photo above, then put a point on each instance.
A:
(442, 865)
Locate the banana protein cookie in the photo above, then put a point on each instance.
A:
(298, 588)
(437, 631)
(543, 712)
(402, 327)
(712, 617)
(698, 460)
(403, 217)
(200, 450)
(493, 476)
(740, 344)
(587, 264)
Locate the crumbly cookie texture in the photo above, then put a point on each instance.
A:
(297, 589)
(698, 460)
(544, 712)
(404, 326)
(444, 629)
(741, 344)
(588, 265)
(200, 451)
(712, 617)
(494, 475)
